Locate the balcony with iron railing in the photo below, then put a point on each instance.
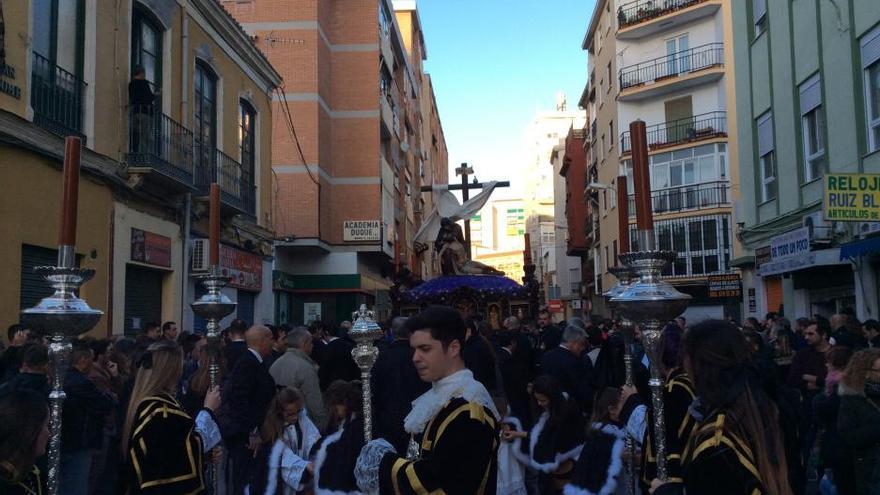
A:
(703, 244)
(684, 198)
(237, 187)
(158, 143)
(57, 98)
(641, 18)
(682, 131)
(672, 72)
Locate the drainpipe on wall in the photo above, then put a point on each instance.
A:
(184, 283)
(184, 113)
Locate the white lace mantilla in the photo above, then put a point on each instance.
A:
(459, 384)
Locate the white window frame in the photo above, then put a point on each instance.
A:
(759, 16)
(870, 59)
(812, 126)
(767, 153)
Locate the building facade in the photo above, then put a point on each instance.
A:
(670, 66)
(808, 98)
(578, 218)
(146, 165)
(544, 196)
(357, 135)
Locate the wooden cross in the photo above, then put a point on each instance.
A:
(465, 171)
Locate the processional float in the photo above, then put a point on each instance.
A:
(63, 315)
(647, 300)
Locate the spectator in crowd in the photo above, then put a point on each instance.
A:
(32, 374)
(807, 372)
(140, 101)
(169, 331)
(85, 410)
(163, 448)
(237, 346)
(858, 421)
(840, 332)
(104, 374)
(514, 382)
(320, 332)
(551, 335)
(752, 323)
(296, 370)
(24, 433)
(595, 339)
(872, 333)
(856, 334)
(10, 361)
(832, 455)
(395, 384)
(681, 321)
(566, 364)
(479, 357)
(246, 395)
(152, 332)
(279, 341)
(338, 363)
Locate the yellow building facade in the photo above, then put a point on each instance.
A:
(146, 167)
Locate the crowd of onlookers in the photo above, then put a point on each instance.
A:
(807, 396)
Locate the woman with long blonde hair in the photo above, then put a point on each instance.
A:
(162, 445)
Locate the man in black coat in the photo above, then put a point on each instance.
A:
(32, 375)
(551, 335)
(514, 382)
(479, 358)
(85, 410)
(395, 384)
(566, 364)
(337, 362)
(236, 347)
(246, 397)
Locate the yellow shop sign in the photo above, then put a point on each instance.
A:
(852, 197)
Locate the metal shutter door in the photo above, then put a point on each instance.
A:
(33, 287)
(143, 297)
(245, 308)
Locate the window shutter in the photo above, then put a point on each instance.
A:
(759, 10)
(871, 47)
(765, 134)
(811, 94)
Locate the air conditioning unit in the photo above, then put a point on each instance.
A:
(867, 228)
(820, 229)
(200, 259)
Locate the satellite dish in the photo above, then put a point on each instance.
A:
(404, 146)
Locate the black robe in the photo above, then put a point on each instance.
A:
(457, 455)
(599, 466)
(678, 395)
(336, 458)
(165, 454)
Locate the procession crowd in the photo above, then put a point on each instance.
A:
(536, 407)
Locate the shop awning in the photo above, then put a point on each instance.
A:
(852, 250)
(821, 257)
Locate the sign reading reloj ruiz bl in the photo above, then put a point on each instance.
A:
(852, 197)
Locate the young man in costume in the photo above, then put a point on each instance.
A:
(455, 422)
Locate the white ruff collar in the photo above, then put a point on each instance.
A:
(459, 384)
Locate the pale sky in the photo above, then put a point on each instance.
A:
(494, 64)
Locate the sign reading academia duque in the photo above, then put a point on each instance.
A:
(362, 230)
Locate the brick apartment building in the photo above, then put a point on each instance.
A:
(367, 136)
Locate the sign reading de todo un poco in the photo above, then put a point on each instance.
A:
(852, 197)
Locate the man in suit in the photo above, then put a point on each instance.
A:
(246, 397)
(236, 347)
(337, 362)
(565, 363)
(395, 384)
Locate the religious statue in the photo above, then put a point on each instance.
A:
(454, 259)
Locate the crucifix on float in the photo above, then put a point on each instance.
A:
(465, 171)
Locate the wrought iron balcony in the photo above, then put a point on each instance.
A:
(57, 98)
(684, 62)
(237, 188)
(639, 11)
(690, 197)
(703, 244)
(697, 128)
(158, 142)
